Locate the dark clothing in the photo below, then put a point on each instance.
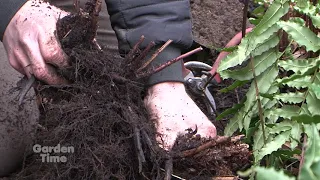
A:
(7, 10)
(157, 20)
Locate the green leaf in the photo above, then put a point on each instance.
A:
(274, 145)
(271, 174)
(299, 83)
(232, 126)
(295, 134)
(285, 112)
(264, 82)
(310, 10)
(310, 168)
(247, 45)
(307, 119)
(304, 110)
(300, 66)
(226, 49)
(261, 63)
(230, 111)
(272, 42)
(302, 3)
(258, 140)
(277, 9)
(260, 34)
(315, 20)
(312, 97)
(313, 103)
(294, 98)
(259, 11)
(282, 126)
(254, 111)
(315, 87)
(233, 86)
(302, 35)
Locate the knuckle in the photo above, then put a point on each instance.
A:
(25, 39)
(40, 72)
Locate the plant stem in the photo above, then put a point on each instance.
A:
(155, 55)
(303, 152)
(258, 100)
(161, 67)
(244, 18)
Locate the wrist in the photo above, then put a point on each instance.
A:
(172, 73)
(166, 87)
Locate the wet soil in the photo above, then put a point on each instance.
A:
(101, 113)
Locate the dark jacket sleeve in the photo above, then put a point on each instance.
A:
(158, 21)
(8, 9)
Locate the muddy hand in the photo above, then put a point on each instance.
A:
(175, 112)
(31, 44)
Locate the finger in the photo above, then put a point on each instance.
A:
(40, 69)
(207, 130)
(23, 60)
(51, 51)
(15, 64)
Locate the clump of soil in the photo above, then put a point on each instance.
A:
(216, 22)
(101, 114)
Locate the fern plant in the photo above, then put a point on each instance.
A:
(284, 96)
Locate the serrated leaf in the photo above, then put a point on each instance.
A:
(258, 140)
(254, 111)
(232, 126)
(280, 127)
(261, 63)
(294, 98)
(315, 87)
(247, 45)
(226, 49)
(313, 103)
(271, 174)
(315, 20)
(264, 83)
(288, 79)
(312, 156)
(270, 104)
(311, 11)
(254, 21)
(298, 20)
(272, 15)
(302, 3)
(272, 42)
(300, 66)
(301, 34)
(307, 119)
(259, 11)
(274, 145)
(285, 112)
(295, 134)
(233, 86)
(299, 83)
(304, 110)
(235, 108)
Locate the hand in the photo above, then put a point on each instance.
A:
(174, 112)
(31, 44)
